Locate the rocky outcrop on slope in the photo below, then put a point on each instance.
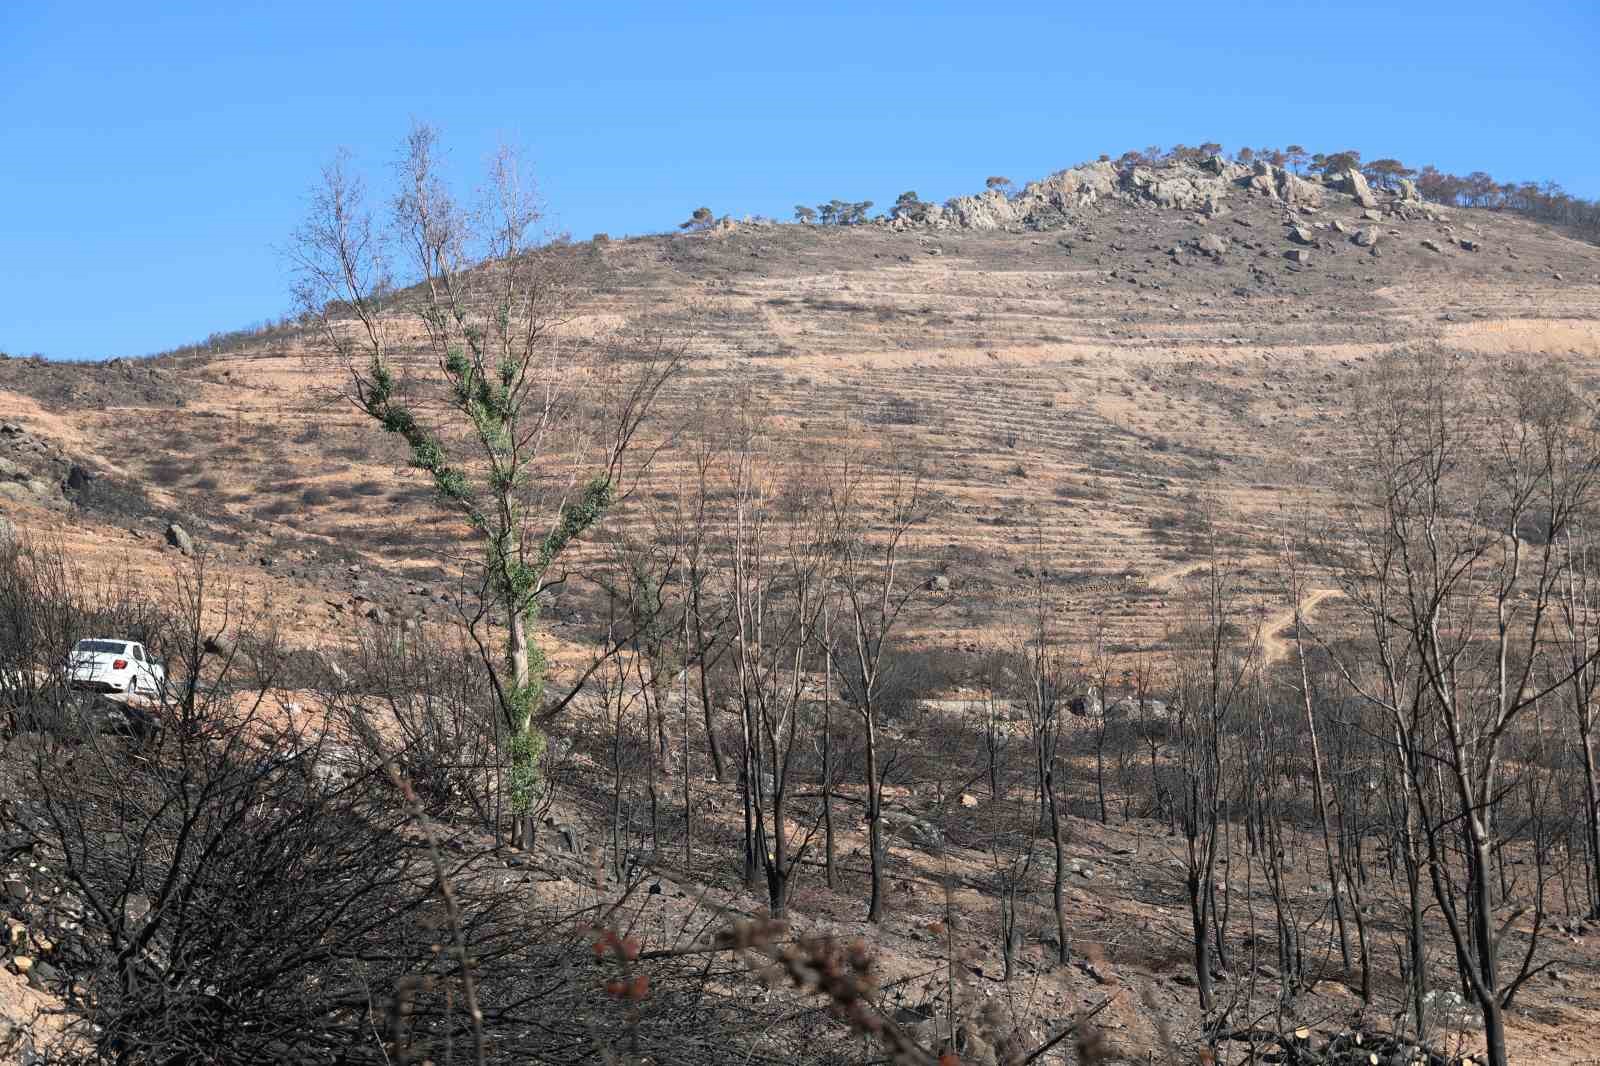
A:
(1202, 186)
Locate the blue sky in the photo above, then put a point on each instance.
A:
(153, 156)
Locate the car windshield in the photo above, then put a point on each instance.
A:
(110, 647)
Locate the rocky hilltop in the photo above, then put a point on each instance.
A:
(1205, 187)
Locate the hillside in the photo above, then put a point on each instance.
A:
(1092, 383)
(1082, 373)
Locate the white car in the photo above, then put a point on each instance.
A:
(115, 666)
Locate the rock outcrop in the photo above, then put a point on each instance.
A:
(1040, 205)
(1202, 186)
(1281, 184)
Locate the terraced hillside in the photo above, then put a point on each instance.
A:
(1074, 397)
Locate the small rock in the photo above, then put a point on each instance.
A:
(968, 800)
(1302, 235)
(1431, 245)
(1298, 256)
(1470, 246)
(1367, 236)
(23, 963)
(42, 975)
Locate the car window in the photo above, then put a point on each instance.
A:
(138, 652)
(108, 647)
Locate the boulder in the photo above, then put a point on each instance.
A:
(1339, 226)
(1355, 183)
(566, 835)
(939, 583)
(78, 478)
(1279, 184)
(1367, 236)
(179, 538)
(42, 976)
(1298, 256)
(1408, 191)
(1211, 244)
(1263, 180)
(924, 834)
(987, 210)
(1469, 245)
(1302, 235)
(1431, 245)
(1293, 189)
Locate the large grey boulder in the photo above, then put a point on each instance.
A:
(924, 834)
(179, 538)
(1086, 704)
(1293, 189)
(1264, 179)
(1355, 183)
(1276, 183)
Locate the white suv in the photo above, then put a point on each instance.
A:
(115, 666)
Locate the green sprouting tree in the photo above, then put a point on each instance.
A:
(522, 428)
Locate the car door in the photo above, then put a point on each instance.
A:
(143, 676)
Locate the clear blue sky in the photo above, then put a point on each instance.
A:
(153, 155)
